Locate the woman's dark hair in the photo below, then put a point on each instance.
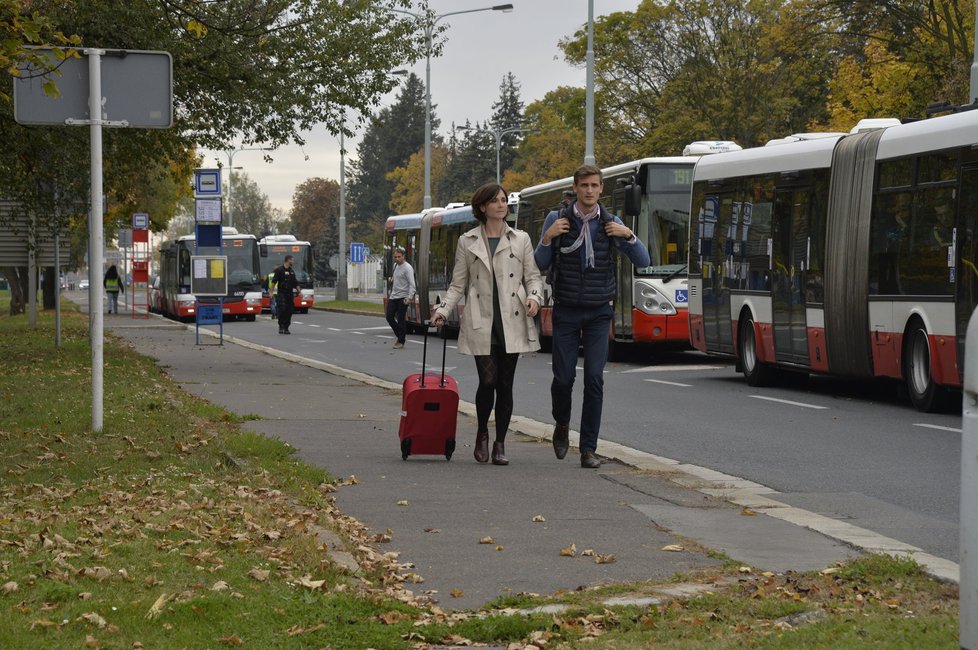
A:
(112, 273)
(484, 195)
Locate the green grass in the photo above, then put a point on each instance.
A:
(173, 527)
(352, 305)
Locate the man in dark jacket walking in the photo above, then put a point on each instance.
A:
(283, 278)
(584, 288)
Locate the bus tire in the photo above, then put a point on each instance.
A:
(924, 393)
(756, 373)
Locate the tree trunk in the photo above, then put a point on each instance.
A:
(18, 292)
(52, 282)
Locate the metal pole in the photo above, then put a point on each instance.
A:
(342, 292)
(499, 144)
(427, 119)
(968, 589)
(57, 290)
(32, 273)
(95, 239)
(230, 175)
(974, 65)
(589, 95)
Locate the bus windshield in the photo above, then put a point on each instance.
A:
(664, 221)
(301, 254)
(241, 253)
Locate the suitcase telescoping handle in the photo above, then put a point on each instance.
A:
(424, 354)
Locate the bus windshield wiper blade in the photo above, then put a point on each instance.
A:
(672, 275)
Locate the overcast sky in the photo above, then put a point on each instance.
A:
(480, 49)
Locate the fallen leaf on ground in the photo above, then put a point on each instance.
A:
(457, 593)
(487, 540)
(588, 552)
(261, 575)
(432, 530)
(157, 607)
(402, 502)
(538, 518)
(9, 587)
(307, 581)
(675, 548)
(499, 548)
(93, 618)
(605, 559)
(234, 639)
(570, 551)
(747, 511)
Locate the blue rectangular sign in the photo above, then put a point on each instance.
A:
(209, 314)
(357, 253)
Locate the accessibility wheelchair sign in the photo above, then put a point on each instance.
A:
(682, 296)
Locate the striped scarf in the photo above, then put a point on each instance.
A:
(585, 235)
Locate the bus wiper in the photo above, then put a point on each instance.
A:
(672, 275)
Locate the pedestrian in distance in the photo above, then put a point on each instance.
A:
(496, 273)
(286, 286)
(113, 287)
(403, 290)
(270, 289)
(577, 249)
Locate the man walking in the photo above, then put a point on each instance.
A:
(577, 241)
(402, 293)
(283, 278)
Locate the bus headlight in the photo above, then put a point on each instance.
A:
(653, 302)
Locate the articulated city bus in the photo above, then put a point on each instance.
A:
(243, 300)
(652, 197)
(272, 250)
(852, 255)
(429, 239)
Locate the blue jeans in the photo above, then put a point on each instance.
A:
(587, 327)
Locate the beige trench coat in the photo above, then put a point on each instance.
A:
(517, 278)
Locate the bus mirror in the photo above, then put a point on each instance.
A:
(263, 250)
(633, 199)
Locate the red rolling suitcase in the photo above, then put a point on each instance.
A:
(429, 410)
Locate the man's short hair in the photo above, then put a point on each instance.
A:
(587, 170)
(287, 258)
(399, 250)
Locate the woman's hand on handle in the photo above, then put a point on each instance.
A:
(438, 320)
(532, 308)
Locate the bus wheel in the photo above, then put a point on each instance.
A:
(755, 372)
(924, 393)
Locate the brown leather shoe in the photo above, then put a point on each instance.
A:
(481, 451)
(560, 440)
(499, 454)
(590, 460)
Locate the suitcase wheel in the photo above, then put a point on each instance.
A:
(449, 449)
(405, 448)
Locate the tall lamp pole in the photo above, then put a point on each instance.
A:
(589, 92)
(498, 134)
(231, 168)
(429, 26)
(341, 284)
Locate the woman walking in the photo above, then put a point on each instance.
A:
(496, 273)
(113, 285)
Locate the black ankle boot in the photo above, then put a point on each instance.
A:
(499, 454)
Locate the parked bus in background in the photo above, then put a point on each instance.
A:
(272, 250)
(652, 197)
(429, 239)
(243, 300)
(852, 255)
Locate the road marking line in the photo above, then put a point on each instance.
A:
(788, 401)
(671, 368)
(936, 426)
(334, 329)
(669, 383)
(311, 325)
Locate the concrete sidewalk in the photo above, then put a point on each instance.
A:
(438, 513)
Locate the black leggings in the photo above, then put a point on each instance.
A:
(496, 372)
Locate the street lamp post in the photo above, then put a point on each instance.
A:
(430, 21)
(231, 168)
(498, 134)
(341, 284)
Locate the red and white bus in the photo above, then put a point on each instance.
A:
(243, 300)
(850, 255)
(272, 250)
(651, 196)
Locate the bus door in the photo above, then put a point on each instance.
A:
(716, 248)
(789, 256)
(624, 298)
(967, 243)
